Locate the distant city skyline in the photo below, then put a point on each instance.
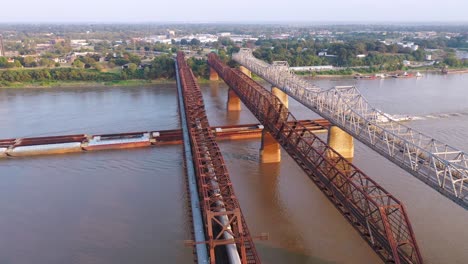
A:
(107, 11)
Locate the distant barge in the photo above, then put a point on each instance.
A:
(385, 76)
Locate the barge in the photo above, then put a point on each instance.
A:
(16, 147)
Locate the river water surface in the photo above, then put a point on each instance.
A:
(130, 206)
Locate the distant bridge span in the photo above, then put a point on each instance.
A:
(437, 164)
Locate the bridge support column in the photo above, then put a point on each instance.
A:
(281, 95)
(245, 71)
(213, 75)
(270, 151)
(342, 142)
(234, 102)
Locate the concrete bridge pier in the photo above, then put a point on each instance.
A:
(245, 71)
(213, 75)
(282, 96)
(270, 151)
(343, 143)
(234, 102)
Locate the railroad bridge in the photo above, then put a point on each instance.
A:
(220, 232)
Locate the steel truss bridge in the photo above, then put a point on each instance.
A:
(442, 167)
(378, 217)
(225, 231)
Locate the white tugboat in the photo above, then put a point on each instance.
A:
(384, 118)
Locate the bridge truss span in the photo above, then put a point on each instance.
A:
(378, 217)
(437, 164)
(227, 236)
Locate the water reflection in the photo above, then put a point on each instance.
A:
(214, 87)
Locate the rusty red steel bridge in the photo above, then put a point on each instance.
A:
(379, 218)
(226, 232)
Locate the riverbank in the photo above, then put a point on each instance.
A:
(74, 77)
(140, 82)
(75, 84)
(458, 71)
(331, 75)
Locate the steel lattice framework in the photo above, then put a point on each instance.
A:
(378, 217)
(439, 165)
(224, 223)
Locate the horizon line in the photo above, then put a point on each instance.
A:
(258, 22)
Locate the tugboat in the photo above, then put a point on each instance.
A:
(402, 75)
(407, 75)
(384, 118)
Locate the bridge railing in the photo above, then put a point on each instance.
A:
(379, 218)
(439, 165)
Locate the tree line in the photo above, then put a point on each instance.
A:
(305, 52)
(162, 67)
(8, 77)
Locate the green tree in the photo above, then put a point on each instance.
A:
(44, 62)
(18, 64)
(195, 42)
(3, 62)
(29, 61)
(419, 55)
(162, 67)
(452, 61)
(78, 64)
(132, 67)
(199, 67)
(124, 75)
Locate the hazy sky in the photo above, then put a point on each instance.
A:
(233, 10)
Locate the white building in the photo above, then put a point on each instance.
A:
(410, 45)
(322, 54)
(241, 38)
(312, 68)
(78, 42)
